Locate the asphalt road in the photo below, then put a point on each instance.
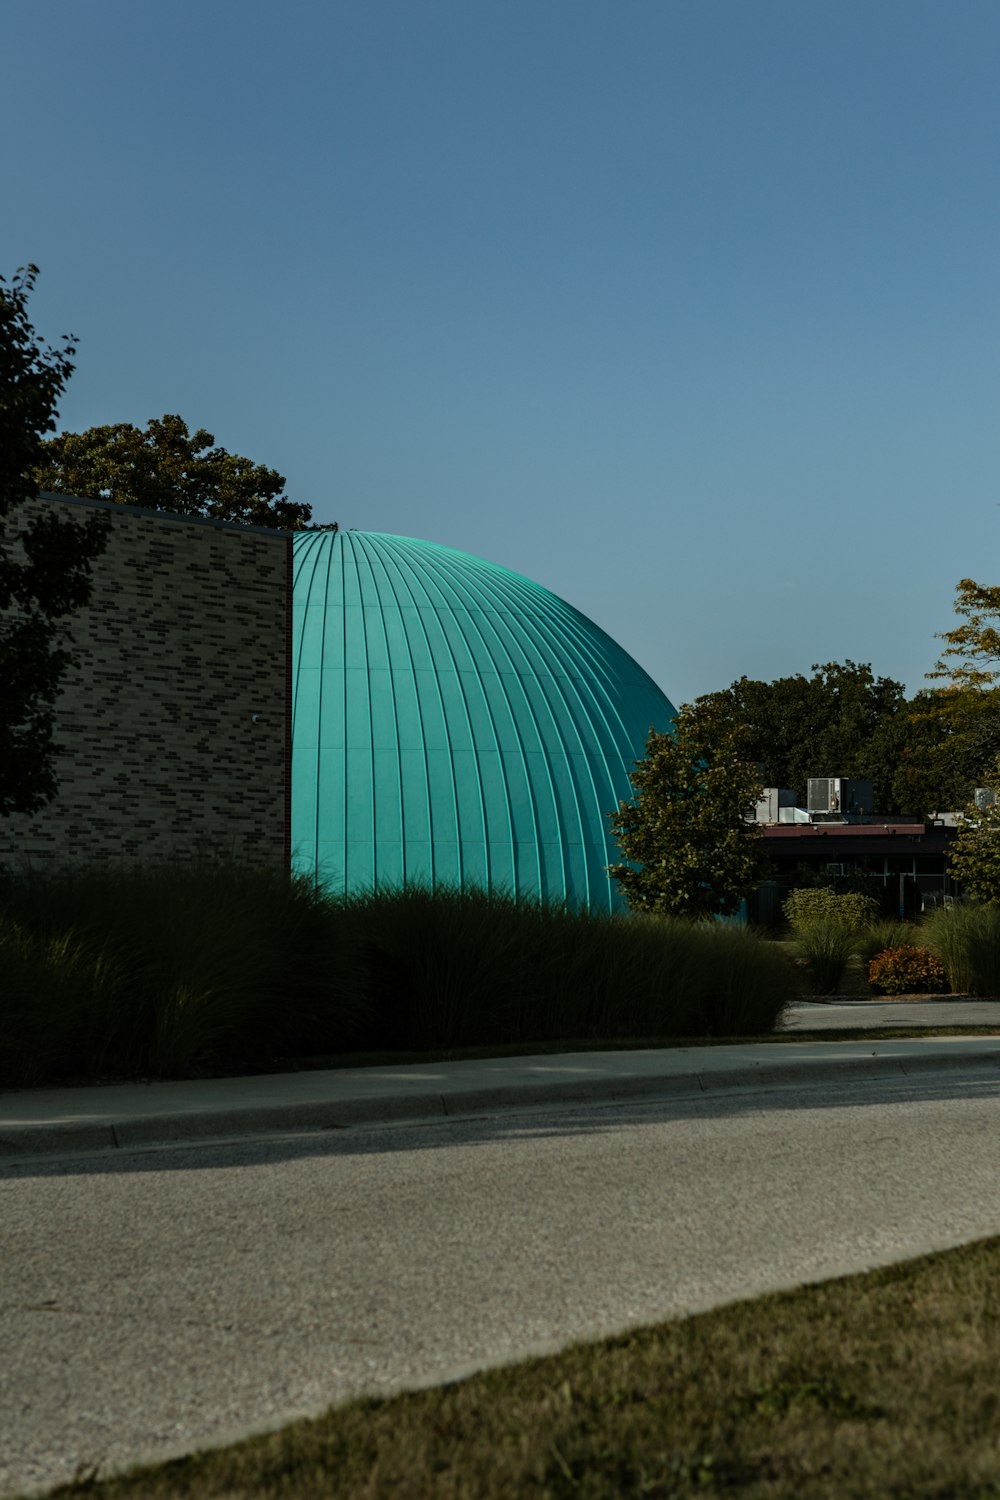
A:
(155, 1301)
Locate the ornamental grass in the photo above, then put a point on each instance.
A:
(180, 971)
(966, 938)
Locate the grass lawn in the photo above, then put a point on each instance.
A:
(878, 1385)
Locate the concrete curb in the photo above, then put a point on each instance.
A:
(51, 1137)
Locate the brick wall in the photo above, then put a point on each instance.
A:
(184, 640)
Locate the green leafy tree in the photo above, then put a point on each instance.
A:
(921, 754)
(689, 847)
(972, 655)
(841, 721)
(954, 736)
(952, 740)
(166, 467)
(45, 560)
(974, 860)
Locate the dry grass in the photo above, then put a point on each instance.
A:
(883, 1385)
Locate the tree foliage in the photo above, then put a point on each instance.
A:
(689, 848)
(955, 728)
(974, 860)
(952, 741)
(921, 754)
(166, 467)
(44, 559)
(841, 721)
(971, 658)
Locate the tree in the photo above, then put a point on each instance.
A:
(841, 721)
(956, 726)
(166, 467)
(44, 562)
(952, 741)
(976, 643)
(974, 860)
(690, 848)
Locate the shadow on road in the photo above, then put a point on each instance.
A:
(524, 1123)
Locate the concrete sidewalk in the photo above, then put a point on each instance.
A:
(52, 1121)
(841, 1014)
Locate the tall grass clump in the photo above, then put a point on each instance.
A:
(437, 969)
(62, 1001)
(464, 968)
(824, 949)
(882, 936)
(180, 970)
(966, 938)
(828, 928)
(166, 971)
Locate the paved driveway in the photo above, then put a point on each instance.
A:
(158, 1300)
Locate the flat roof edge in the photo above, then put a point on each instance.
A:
(165, 515)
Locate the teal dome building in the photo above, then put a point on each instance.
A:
(455, 723)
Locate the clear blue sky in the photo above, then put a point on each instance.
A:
(688, 309)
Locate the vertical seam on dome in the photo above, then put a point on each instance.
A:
(288, 620)
(361, 542)
(368, 685)
(585, 709)
(472, 744)
(523, 620)
(544, 621)
(604, 700)
(420, 715)
(396, 562)
(532, 800)
(474, 589)
(580, 651)
(334, 546)
(505, 788)
(307, 547)
(545, 632)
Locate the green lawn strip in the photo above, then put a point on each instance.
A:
(883, 1384)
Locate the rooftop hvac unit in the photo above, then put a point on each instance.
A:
(823, 794)
(984, 797)
(839, 794)
(772, 799)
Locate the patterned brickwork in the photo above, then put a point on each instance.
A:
(184, 641)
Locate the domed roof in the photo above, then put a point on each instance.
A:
(455, 723)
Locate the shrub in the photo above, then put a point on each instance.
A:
(966, 938)
(907, 970)
(889, 934)
(850, 909)
(824, 949)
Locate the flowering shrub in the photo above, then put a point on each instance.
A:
(907, 970)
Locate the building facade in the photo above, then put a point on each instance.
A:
(174, 723)
(369, 710)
